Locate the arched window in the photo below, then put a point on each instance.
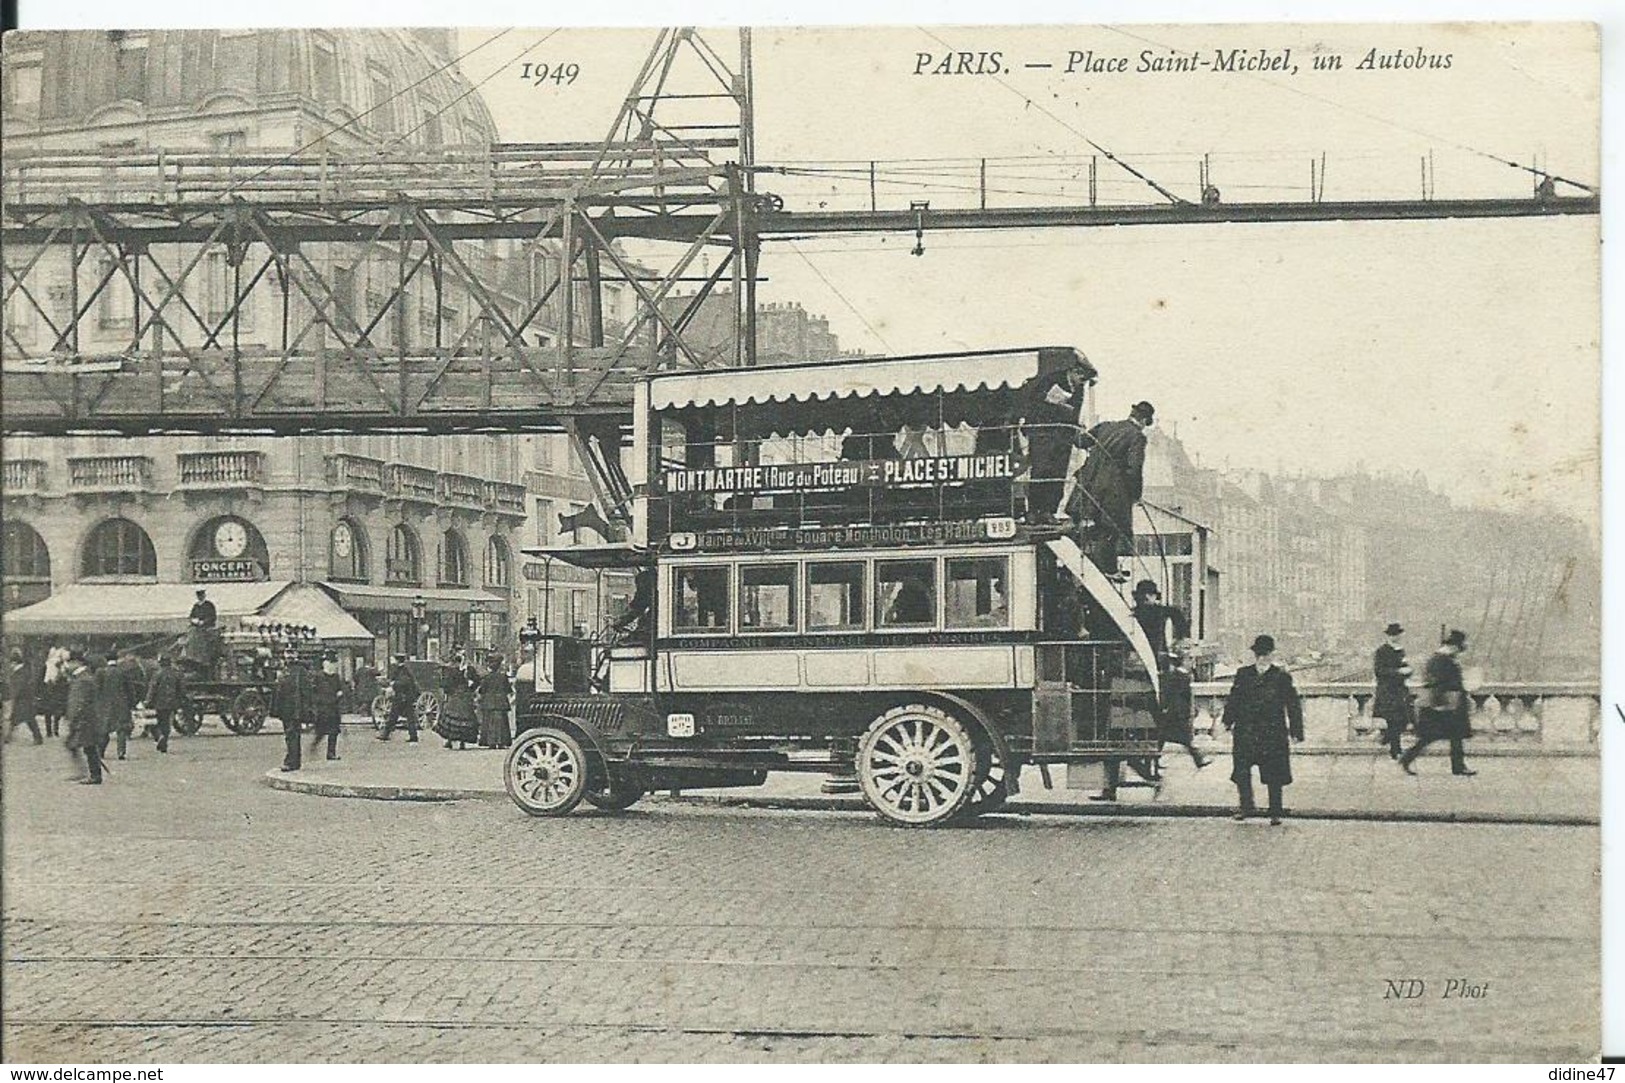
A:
(403, 561)
(453, 560)
(347, 556)
(228, 548)
(498, 566)
(118, 547)
(26, 558)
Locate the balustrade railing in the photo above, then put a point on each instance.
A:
(355, 472)
(23, 477)
(412, 483)
(110, 473)
(462, 490)
(1556, 716)
(218, 469)
(505, 496)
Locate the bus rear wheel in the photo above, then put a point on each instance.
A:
(917, 765)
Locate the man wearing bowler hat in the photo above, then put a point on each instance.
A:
(1262, 712)
(1444, 715)
(1392, 702)
(1108, 485)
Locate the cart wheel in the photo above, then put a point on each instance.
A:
(617, 795)
(546, 772)
(428, 710)
(917, 765)
(248, 712)
(188, 720)
(380, 710)
(991, 791)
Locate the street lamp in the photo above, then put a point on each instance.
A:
(420, 610)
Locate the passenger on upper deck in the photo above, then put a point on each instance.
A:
(1051, 404)
(1109, 484)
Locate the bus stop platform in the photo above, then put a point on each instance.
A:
(1530, 789)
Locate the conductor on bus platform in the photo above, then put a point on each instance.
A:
(1051, 406)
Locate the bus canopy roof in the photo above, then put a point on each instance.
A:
(840, 379)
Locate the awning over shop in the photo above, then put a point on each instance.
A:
(399, 599)
(858, 377)
(98, 609)
(304, 604)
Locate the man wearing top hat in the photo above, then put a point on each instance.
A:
(1262, 712)
(294, 702)
(328, 692)
(1108, 485)
(1444, 715)
(1051, 404)
(1392, 702)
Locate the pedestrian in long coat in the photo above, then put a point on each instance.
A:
(329, 695)
(86, 731)
(115, 702)
(54, 689)
(403, 698)
(1264, 714)
(1392, 703)
(294, 702)
(492, 696)
(1445, 714)
(22, 685)
(165, 695)
(1108, 485)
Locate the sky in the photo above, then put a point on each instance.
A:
(1464, 349)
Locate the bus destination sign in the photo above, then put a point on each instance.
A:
(823, 537)
(861, 474)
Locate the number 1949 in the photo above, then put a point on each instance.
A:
(557, 74)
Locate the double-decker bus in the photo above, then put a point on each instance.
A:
(842, 569)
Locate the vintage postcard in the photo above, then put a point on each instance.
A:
(924, 543)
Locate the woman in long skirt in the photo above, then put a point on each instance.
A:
(459, 717)
(493, 691)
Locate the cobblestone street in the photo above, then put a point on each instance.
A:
(186, 912)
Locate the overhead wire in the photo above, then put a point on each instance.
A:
(1382, 119)
(285, 159)
(843, 298)
(1114, 159)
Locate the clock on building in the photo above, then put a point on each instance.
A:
(343, 541)
(230, 539)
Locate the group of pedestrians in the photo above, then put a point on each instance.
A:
(94, 695)
(1445, 711)
(306, 701)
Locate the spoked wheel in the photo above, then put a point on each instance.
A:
(992, 788)
(917, 765)
(620, 793)
(248, 711)
(546, 772)
(187, 721)
(428, 710)
(380, 710)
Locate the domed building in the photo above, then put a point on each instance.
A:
(417, 537)
(238, 89)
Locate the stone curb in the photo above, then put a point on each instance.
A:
(292, 783)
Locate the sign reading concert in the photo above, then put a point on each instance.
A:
(862, 474)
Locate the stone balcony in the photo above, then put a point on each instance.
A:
(356, 473)
(506, 496)
(221, 469)
(415, 483)
(23, 477)
(1534, 717)
(110, 474)
(462, 491)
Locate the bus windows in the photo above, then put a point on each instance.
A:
(835, 596)
(905, 593)
(700, 600)
(767, 598)
(977, 593)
